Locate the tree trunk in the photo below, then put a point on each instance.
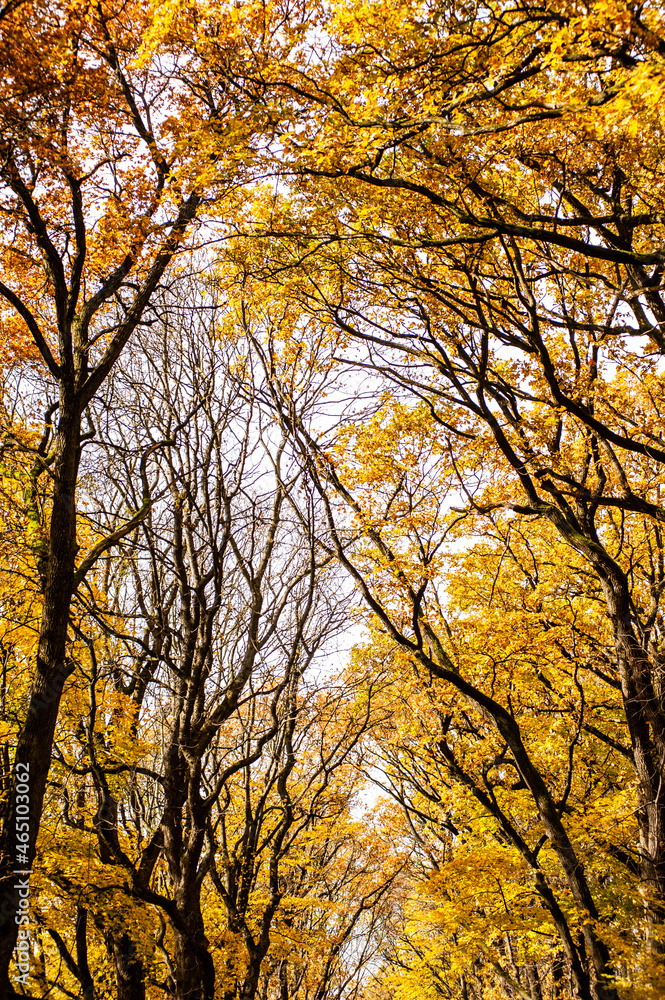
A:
(33, 753)
(646, 724)
(193, 964)
(129, 974)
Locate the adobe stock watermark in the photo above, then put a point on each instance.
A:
(22, 872)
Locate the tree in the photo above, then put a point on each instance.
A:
(395, 485)
(528, 636)
(495, 250)
(468, 214)
(203, 748)
(112, 143)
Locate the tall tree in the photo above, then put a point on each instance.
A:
(202, 749)
(111, 144)
(399, 489)
(495, 252)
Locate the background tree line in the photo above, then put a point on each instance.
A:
(329, 327)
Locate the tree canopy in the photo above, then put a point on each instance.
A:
(332, 470)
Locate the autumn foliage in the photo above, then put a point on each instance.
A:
(331, 500)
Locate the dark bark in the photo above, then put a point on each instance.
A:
(82, 965)
(193, 967)
(129, 971)
(33, 752)
(192, 961)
